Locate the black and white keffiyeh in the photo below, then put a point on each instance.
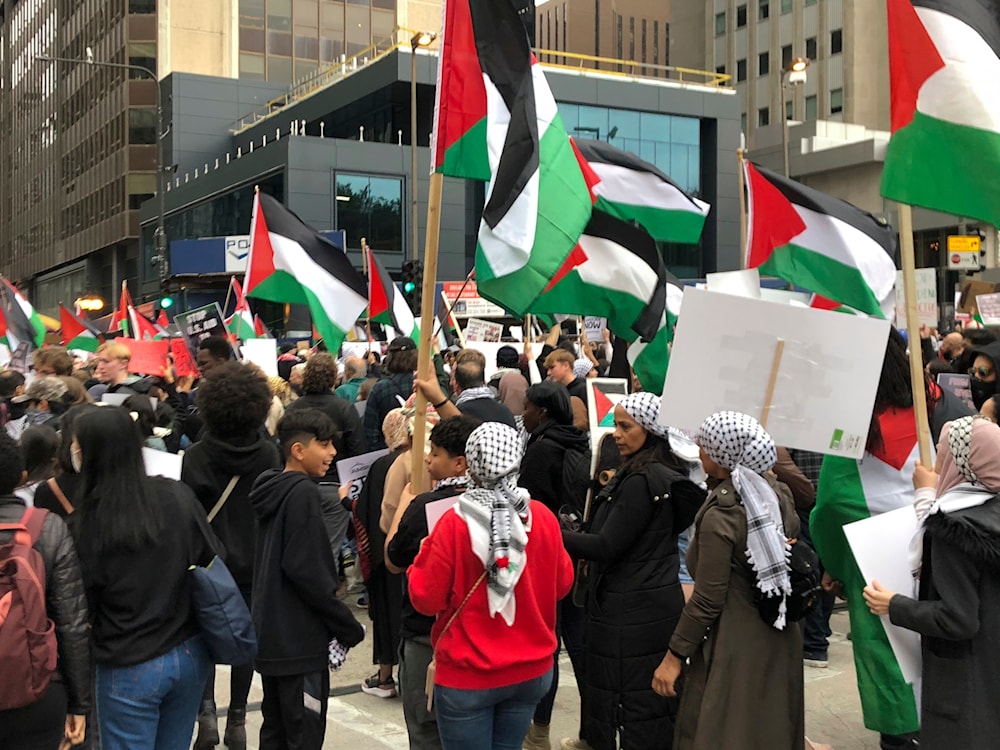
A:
(582, 366)
(471, 394)
(496, 512)
(460, 481)
(644, 408)
(737, 442)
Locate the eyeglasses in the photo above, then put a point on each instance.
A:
(981, 373)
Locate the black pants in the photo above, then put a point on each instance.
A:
(39, 726)
(294, 711)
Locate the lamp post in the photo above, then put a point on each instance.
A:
(420, 39)
(794, 72)
(160, 235)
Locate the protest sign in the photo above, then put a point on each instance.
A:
(354, 471)
(603, 395)
(477, 330)
(359, 348)
(958, 384)
(467, 302)
(4, 355)
(881, 547)
(744, 283)
(183, 364)
(989, 309)
(595, 328)
(200, 323)
(161, 463)
(148, 357)
(263, 353)
(927, 306)
(822, 382)
(433, 511)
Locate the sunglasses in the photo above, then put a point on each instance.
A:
(980, 372)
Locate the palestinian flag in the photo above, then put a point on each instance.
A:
(241, 323)
(143, 328)
(120, 318)
(386, 303)
(496, 119)
(3, 330)
(290, 262)
(649, 358)
(23, 323)
(851, 490)
(635, 190)
(259, 328)
(76, 332)
(944, 64)
(819, 243)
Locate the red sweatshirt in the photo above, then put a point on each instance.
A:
(480, 651)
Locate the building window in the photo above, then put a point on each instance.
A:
(809, 2)
(643, 42)
(763, 10)
(142, 54)
(812, 107)
(836, 101)
(763, 63)
(741, 70)
(789, 110)
(141, 126)
(786, 56)
(631, 37)
(618, 46)
(786, 6)
(720, 23)
(720, 69)
(142, 6)
(556, 45)
(597, 29)
(656, 44)
(666, 44)
(811, 48)
(370, 207)
(836, 42)
(763, 117)
(741, 16)
(743, 122)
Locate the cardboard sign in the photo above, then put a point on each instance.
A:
(989, 309)
(183, 364)
(960, 385)
(354, 471)
(595, 328)
(468, 303)
(263, 353)
(927, 306)
(724, 354)
(971, 289)
(483, 330)
(148, 357)
(197, 325)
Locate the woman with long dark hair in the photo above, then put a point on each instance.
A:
(635, 597)
(137, 537)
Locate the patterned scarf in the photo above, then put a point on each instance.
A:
(496, 512)
(737, 442)
(644, 408)
(471, 394)
(459, 481)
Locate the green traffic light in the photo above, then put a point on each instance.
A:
(167, 302)
(409, 286)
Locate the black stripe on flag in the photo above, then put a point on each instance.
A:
(637, 241)
(505, 56)
(17, 322)
(324, 253)
(981, 15)
(599, 152)
(800, 195)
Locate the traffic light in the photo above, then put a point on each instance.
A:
(166, 302)
(413, 279)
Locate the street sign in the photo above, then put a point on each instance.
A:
(964, 260)
(958, 243)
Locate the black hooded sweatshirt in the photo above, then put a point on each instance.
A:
(208, 466)
(295, 608)
(542, 464)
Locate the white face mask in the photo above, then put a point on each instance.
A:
(76, 458)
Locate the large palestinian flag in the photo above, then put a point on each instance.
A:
(851, 490)
(23, 323)
(496, 119)
(819, 243)
(76, 332)
(386, 304)
(944, 64)
(290, 262)
(649, 358)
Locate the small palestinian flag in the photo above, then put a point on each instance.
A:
(77, 333)
(120, 317)
(290, 262)
(649, 359)
(23, 323)
(386, 304)
(241, 323)
(819, 243)
(944, 64)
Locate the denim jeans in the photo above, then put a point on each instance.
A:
(153, 704)
(496, 718)
(336, 517)
(421, 726)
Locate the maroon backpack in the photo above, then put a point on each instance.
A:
(27, 635)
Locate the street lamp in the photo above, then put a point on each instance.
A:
(794, 72)
(420, 39)
(160, 235)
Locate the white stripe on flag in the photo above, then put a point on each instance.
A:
(610, 265)
(623, 185)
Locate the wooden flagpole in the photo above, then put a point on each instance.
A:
(229, 293)
(913, 334)
(428, 304)
(741, 176)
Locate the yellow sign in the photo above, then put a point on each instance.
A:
(958, 243)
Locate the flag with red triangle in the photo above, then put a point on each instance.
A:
(76, 332)
(120, 317)
(241, 323)
(3, 328)
(259, 328)
(605, 407)
(386, 303)
(161, 319)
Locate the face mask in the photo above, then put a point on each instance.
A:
(76, 458)
(981, 392)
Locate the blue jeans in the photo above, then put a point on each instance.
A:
(496, 718)
(154, 704)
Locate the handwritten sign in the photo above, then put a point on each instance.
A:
(197, 325)
(354, 471)
(148, 357)
(483, 330)
(927, 306)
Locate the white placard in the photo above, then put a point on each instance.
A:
(741, 283)
(478, 330)
(114, 399)
(517, 332)
(927, 306)
(162, 464)
(595, 328)
(724, 351)
(433, 511)
(881, 547)
(989, 308)
(359, 348)
(4, 355)
(263, 353)
(354, 471)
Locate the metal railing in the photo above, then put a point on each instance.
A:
(552, 58)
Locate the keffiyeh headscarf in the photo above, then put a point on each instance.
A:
(737, 442)
(644, 408)
(496, 512)
(395, 429)
(582, 366)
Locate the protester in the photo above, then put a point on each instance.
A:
(137, 536)
(141, 410)
(76, 394)
(58, 717)
(287, 358)
(956, 558)
(743, 686)
(491, 571)
(295, 377)
(363, 393)
(222, 468)
(991, 409)
(474, 397)
(355, 373)
(559, 366)
(11, 384)
(45, 402)
(400, 364)
(635, 597)
(54, 495)
(52, 361)
(508, 380)
(112, 371)
(39, 445)
(296, 612)
(212, 352)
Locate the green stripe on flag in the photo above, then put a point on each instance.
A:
(84, 342)
(682, 227)
(467, 157)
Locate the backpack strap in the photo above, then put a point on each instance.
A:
(60, 495)
(33, 520)
(225, 496)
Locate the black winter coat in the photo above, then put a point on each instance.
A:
(542, 464)
(958, 617)
(633, 603)
(65, 602)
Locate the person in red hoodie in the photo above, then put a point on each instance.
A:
(491, 571)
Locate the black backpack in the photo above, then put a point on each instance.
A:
(576, 480)
(805, 577)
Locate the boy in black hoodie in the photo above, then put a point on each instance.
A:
(295, 607)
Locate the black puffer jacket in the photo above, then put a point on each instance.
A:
(65, 601)
(633, 603)
(542, 464)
